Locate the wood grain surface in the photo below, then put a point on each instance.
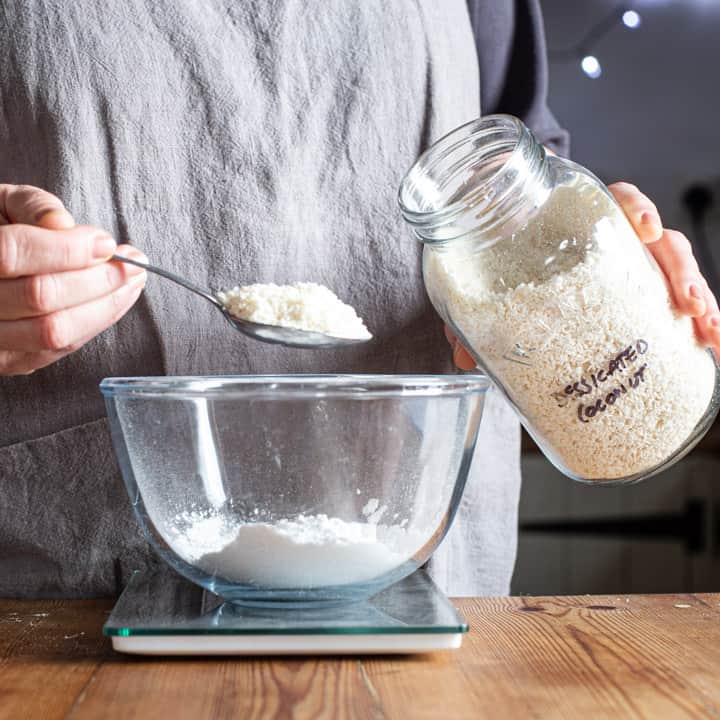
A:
(557, 657)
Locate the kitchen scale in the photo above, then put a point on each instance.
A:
(162, 613)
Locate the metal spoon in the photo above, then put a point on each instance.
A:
(277, 334)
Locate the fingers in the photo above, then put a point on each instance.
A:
(28, 250)
(707, 326)
(36, 295)
(25, 363)
(640, 211)
(461, 357)
(674, 255)
(64, 329)
(29, 205)
(56, 290)
(691, 294)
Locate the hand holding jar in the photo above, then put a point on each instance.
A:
(673, 253)
(538, 272)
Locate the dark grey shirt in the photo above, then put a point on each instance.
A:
(512, 56)
(238, 142)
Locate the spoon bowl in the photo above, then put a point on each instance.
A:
(289, 336)
(275, 334)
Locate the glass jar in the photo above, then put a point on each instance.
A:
(534, 266)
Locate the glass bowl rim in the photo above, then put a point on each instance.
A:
(359, 386)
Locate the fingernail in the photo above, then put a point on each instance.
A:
(648, 219)
(136, 254)
(652, 221)
(131, 269)
(714, 322)
(695, 294)
(103, 246)
(56, 218)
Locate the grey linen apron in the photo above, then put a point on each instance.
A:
(232, 142)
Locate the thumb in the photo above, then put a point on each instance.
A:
(33, 206)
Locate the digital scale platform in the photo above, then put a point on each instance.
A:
(162, 613)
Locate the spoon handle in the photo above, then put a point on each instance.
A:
(175, 278)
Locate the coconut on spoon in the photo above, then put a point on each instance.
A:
(304, 315)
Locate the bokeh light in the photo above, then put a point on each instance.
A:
(631, 19)
(591, 66)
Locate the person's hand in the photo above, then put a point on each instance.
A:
(673, 253)
(57, 288)
(461, 357)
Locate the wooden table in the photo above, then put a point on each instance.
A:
(582, 657)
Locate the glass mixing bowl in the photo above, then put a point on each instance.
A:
(295, 489)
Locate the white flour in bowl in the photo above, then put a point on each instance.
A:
(307, 551)
(302, 305)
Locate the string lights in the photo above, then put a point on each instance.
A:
(583, 51)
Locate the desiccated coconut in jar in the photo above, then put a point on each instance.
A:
(537, 269)
(580, 332)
